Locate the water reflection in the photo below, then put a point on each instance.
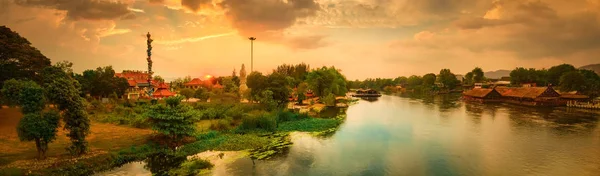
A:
(161, 162)
(443, 136)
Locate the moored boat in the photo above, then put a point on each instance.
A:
(367, 93)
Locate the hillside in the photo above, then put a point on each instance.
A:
(496, 74)
(593, 67)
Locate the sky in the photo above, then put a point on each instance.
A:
(363, 38)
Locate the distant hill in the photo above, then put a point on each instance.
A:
(593, 67)
(496, 74)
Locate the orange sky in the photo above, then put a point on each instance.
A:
(364, 38)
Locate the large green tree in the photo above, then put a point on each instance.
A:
(18, 59)
(35, 125)
(448, 79)
(64, 91)
(554, 73)
(572, 81)
(173, 120)
(477, 75)
(257, 83)
(429, 79)
(102, 82)
(327, 80)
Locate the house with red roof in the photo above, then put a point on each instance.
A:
(138, 83)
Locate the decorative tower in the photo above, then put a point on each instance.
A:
(243, 86)
(149, 51)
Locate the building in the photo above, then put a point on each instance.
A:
(531, 96)
(162, 91)
(482, 95)
(194, 84)
(138, 83)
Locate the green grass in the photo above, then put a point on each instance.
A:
(11, 172)
(309, 125)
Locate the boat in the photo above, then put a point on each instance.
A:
(369, 93)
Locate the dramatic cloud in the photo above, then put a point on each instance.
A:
(196, 5)
(85, 9)
(258, 17)
(528, 29)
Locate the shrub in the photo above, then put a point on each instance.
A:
(191, 167)
(262, 121)
(284, 116)
(207, 135)
(329, 100)
(174, 120)
(222, 124)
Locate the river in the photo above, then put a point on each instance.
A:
(439, 136)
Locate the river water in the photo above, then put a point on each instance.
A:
(440, 136)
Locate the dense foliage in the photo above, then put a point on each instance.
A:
(102, 82)
(324, 81)
(18, 59)
(64, 92)
(35, 125)
(174, 120)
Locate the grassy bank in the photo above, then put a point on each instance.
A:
(122, 137)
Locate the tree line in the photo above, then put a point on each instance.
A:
(566, 77)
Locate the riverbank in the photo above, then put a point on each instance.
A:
(102, 159)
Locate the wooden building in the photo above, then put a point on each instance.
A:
(531, 96)
(482, 95)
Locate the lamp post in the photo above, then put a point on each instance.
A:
(252, 53)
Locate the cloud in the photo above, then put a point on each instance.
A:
(196, 5)
(136, 10)
(255, 17)
(191, 40)
(156, 1)
(307, 42)
(523, 30)
(85, 9)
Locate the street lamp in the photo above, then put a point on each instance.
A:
(252, 53)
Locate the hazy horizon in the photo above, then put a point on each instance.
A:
(363, 38)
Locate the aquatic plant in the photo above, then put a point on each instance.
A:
(280, 144)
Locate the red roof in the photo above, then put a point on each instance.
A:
(163, 93)
(132, 83)
(194, 82)
(162, 86)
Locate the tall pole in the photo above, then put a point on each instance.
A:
(252, 53)
(149, 59)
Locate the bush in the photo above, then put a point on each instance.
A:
(222, 124)
(329, 100)
(191, 167)
(207, 135)
(284, 116)
(263, 121)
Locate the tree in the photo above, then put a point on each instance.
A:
(477, 75)
(158, 78)
(301, 92)
(448, 79)
(121, 86)
(554, 73)
(413, 81)
(229, 85)
(469, 78)
(35, 125)
(64, 92)
(39, 127)
(202, 94)
(329, 100)
(572, 81)
(18, 59)
(266, 99)
(400, 80)
(187, 93)
(429, 79)
(174, 120)
(279, 86)
(66, 66)
(327, 80)
(257, 83)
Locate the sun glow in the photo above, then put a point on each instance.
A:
(208, 76)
